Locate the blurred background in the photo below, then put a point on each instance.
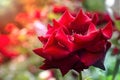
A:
(19, 21)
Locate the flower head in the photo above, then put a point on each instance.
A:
(74, 43)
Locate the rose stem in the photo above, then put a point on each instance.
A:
(116, 68)
(80, 76)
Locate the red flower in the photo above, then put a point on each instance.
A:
(59, 9)
(37, 14)
(115, 51)
(4, 45)
(22, 18)
(103, 18)
(74, 43)
(4, 41)
(10, 27)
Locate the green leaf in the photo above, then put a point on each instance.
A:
(117, 24)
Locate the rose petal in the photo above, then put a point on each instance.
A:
(107, 30)
(91, 28)
(64, 64)
(108, 45)
(64, 39)
(39, 51)
(95, 19)
(85, 39)
(51, 41)
(90, 58)
(66, 18)
(97, 47)
(43, 39)
(81, 18)
(49, 26)
(99, 64)
(56, 24)
(79, 66)
(80, 24)
(56, 52)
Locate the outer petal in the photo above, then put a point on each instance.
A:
(56, 52)
(99, 64)
(54, 49)
(43, 39)
(64, 39)
(107, 31)
(55, 27)
(92, 28)
(89, 58)
(49, 26)
(80, 24)
(79, 66)
(66, 19)
(56, 24)
(53, 52)
(81, 18)
(39, 51)
(64, 64)
(108, 45)
(51, 41)
(95, 19)
(97, 47)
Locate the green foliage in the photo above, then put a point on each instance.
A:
(117, 77)
(24, 76)
(96, 5)
(117, 23)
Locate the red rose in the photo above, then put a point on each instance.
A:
(74, 43)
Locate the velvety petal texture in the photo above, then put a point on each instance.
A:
(75, 43)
